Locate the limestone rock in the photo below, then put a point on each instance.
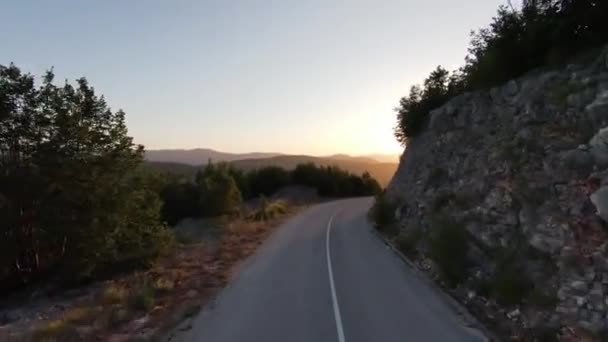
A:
(600, 201)
(525, 175)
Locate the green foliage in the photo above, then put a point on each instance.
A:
(266, 181)
(142, 297)
(461, 200)
(542, 299)
(180, 199)
(408, 239)
(74, 201)
(382, 213)
(113, 294)
(56, 330)
(219, 192)
(268, 210)
(219, 188)
(413, 110)
(542, 32)
(332, 181)
(560, 93)
(448, 247)
(510, 285)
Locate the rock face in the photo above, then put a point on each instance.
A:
(523, 168)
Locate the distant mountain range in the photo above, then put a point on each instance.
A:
(187, 162)
(200, 156)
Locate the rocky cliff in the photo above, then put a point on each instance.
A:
(523, 168)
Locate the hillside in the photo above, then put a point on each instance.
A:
(200, 156)
(522, 170)
(383, 172)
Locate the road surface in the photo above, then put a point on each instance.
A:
(324, 277)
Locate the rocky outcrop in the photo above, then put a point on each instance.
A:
(524, 169)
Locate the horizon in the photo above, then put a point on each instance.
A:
(311, 78)
(274, 152)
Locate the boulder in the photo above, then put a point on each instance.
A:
(600, 201)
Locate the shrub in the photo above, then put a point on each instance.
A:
(510, 285)
(448, 247)
(79, 315)
(268, 210)
(462, 200)
(408, 239)
(219, 193)
(56, 330)
(116, 317)
(540, 33)
(266, 181)
(142, 297)
(542, 299)
(163, 284)
(113, 294)
(382, 213)
(482, 287)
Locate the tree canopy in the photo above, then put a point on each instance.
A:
(540, 33)
(71, 198)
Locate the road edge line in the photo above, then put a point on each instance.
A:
(334, 297)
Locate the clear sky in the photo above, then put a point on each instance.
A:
(294, 76)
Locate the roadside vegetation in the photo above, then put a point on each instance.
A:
(382, 214)
(540, 33)
(79, 207)
(221, 189)
(536, 34)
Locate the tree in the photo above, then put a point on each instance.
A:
(220, 194)
(541, 33)
(69, 173)
(413, 112)
(181, 199)
(266, 181)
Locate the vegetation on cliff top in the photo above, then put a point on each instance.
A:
(540, 33)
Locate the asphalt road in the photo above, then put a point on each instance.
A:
(324, 277)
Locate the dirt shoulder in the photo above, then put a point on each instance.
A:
(146, 304)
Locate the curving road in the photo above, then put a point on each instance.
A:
(324, 277)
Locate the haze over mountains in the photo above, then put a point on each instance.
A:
(187, 162)
(199, 156)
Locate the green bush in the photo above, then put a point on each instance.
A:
(331, 181)
(448, 247)
(510, 285)
(407, 240)
(382, 213)
(268, 210)
(142, 297)
(220, 194)
(462, 200)
(542, 299)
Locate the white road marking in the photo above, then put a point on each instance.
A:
(334, 298)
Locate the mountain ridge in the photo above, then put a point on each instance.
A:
(200, 156)
(382, 171)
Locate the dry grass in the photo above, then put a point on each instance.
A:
(55, 331)
(172, 290)
(113, 294)
(79, 315)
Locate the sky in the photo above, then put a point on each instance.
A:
(305, 77)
